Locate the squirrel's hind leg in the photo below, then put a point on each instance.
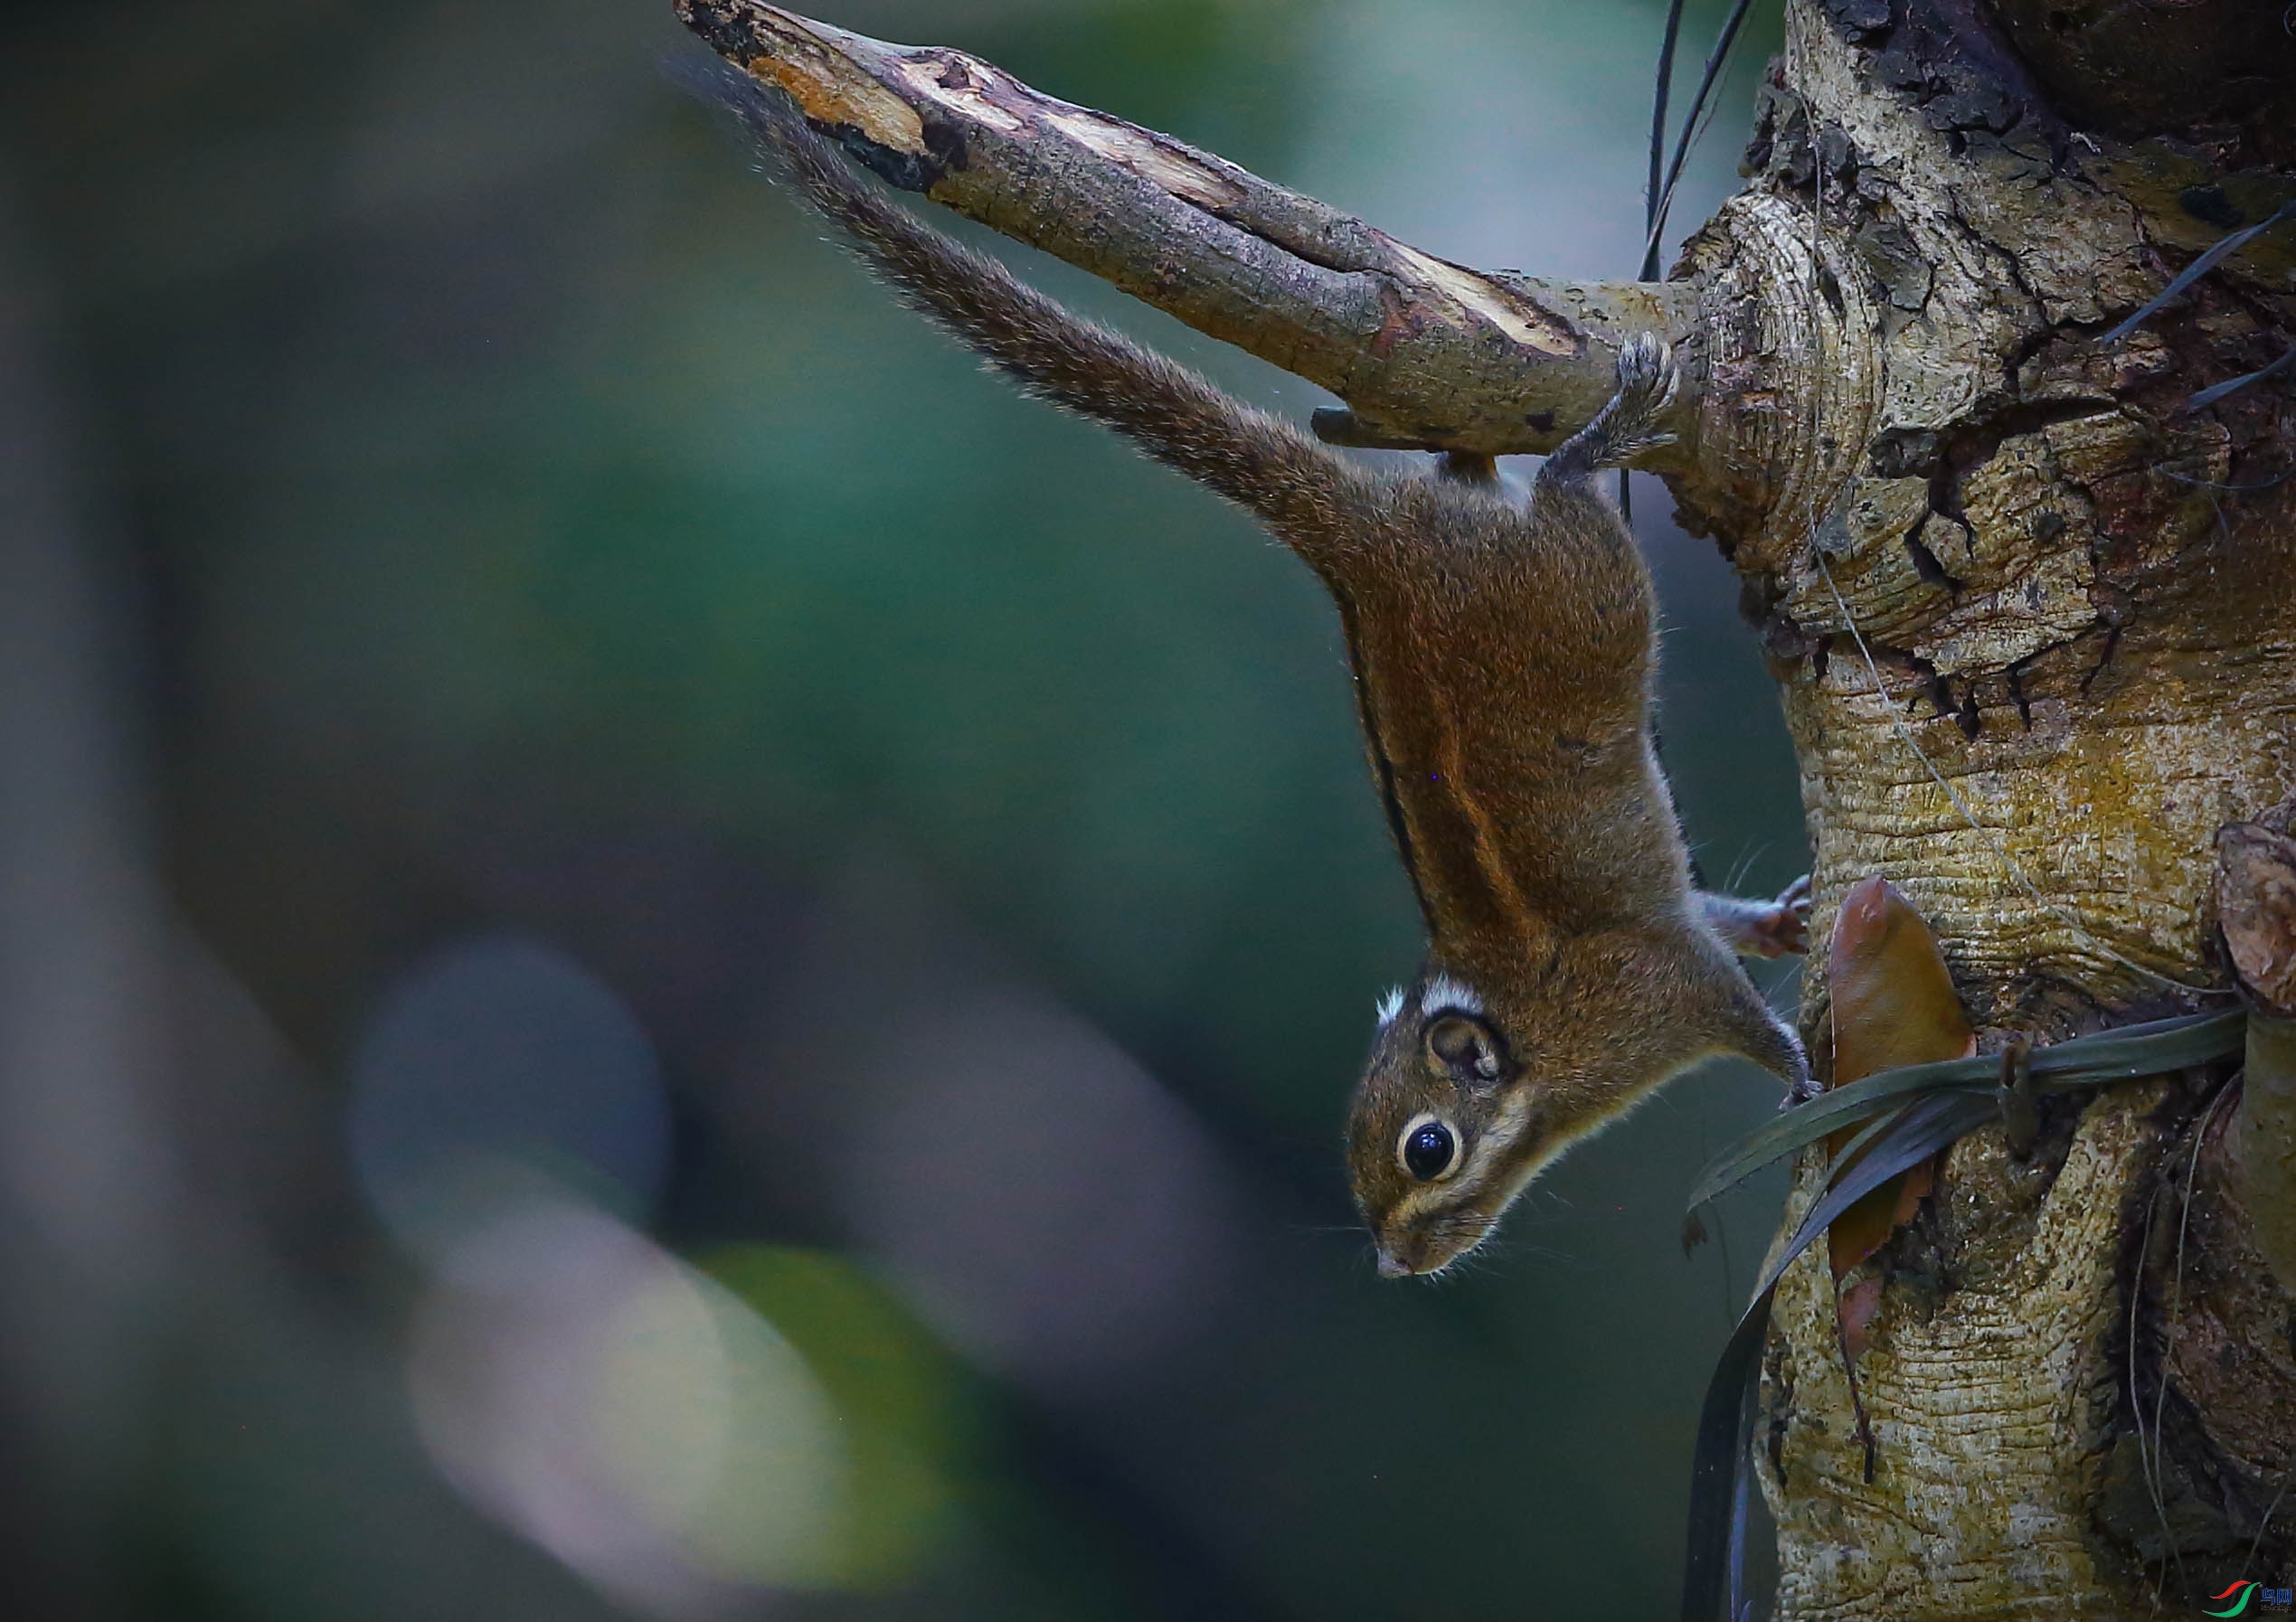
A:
(1628, 426)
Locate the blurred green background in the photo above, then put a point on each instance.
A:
(663, 956)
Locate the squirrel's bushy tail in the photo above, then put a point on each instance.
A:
(1291, 482)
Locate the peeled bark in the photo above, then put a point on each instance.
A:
(2034, 623)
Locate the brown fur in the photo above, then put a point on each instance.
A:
(1503, 659)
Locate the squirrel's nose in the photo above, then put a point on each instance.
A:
(1392, 1266)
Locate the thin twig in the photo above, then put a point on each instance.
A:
(1658, 140)
(2136, 1397)
(2286, 1480)
(2176, 1320)
(1715, 58)
(1857, 1398)
(2273, 482)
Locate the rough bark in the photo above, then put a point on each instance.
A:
(1990, 539)
(2035, 626)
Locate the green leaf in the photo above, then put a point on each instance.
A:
(2098, 1061)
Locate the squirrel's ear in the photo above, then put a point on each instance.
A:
(1467, 1050)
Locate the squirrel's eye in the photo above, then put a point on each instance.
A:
(1428, 1148)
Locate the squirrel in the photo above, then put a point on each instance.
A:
(1503, 658)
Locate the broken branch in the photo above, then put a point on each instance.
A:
(1427, 354)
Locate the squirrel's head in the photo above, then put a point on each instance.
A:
(1467, 1096)
(1445, 1128)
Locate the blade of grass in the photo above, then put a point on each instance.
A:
(2199, 268)
(2211, 395)
(1721, 1464)
(1806, 1124)
(1946, 1102)
(2109, 1056)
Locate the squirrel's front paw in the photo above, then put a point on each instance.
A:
(1801, 1091)
(1781, 930)
(1774, 928)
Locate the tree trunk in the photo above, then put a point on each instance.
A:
(2034, 626)
(2036, 639)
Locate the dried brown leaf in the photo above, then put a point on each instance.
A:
(1894, 1003)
